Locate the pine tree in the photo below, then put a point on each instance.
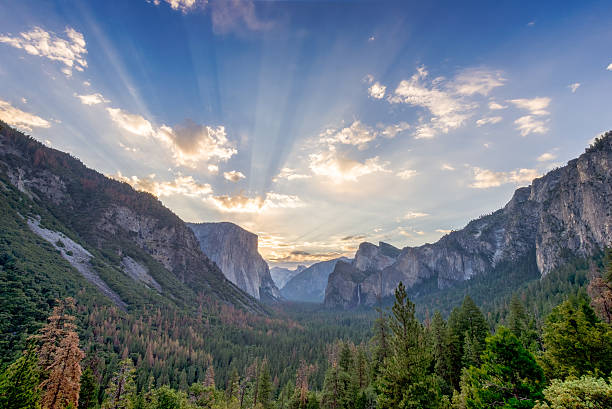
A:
(476, 331)
(576, 342)
(19, 382)
(265, 386)
(209, 378)
(361, 371)
(59, 324)
(88, 396)
(121, 389)
(509, 376)
(63, 385)
(441, 351)
(405, 381)
(332, 389)
(233, 385)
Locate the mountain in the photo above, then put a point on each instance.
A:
(126, 243)
(563, 214)
(309, 285)
(282, 275)
(234, 250)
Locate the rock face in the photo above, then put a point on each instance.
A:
(111, 216)
(234, 250)
(281, 275)
(563, 214)
(309, 285)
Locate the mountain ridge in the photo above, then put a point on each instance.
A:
(561, 214)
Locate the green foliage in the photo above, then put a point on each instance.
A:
(88, 397)
(509, 376)
(19, 382)
(587, 392)
(576, 342)
(405, 381)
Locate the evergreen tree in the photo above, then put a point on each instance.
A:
(521, 325)
(405, 381)
(121, 389)
(265, 386)
(332, 389)
(587, 392)
(19, 382)
(88, 397)
(441, 352)
(509, 376)
(576, 342)
(476, 331)
(63, 385)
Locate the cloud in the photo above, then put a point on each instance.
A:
(443, 231)
(477, 81)
(182, 5)
(536, 106)
(529, 124)
(233, 176)
(353, 237)
(414, 215)
(190, 143)
(406, 174)
(212, 168)
(377, 90)
(181, 185)
(243, 204)
(230, 15)
(546, 157)
(357, 134)
(70, 51)
(494, 106)
(488, 120)
(484, 178)
(390, 131)
(448, 111)
(290, 174)
(446, 166)
(574, 86)
(301, 256)
(609, 67)
(341, 169)
(92, 99)
(132, 123)
(21, 119)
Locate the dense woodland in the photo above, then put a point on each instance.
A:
(562, 361)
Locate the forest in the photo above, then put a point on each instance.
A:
(560, 360)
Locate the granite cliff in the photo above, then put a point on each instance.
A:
(234, 250)
(309, 285)
(563, 214)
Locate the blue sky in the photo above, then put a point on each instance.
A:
(317, 125)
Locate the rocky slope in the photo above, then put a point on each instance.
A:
(309, 285)
(282, 275)
(563, 214)
(116, 221)
(234, 250)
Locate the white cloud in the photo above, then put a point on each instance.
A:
(290, 174)
(92, 99)
(212, 168)
(356, 134)
(244, 204)
(182, 5)
(181, 185)
(414, 215)
(70, 51)
(488, 120)
(341, 169)
(494, 106)
(406, 174)
(233, 176)
(574, 86)
(484, 178)
(529, 124)
(21, 119)
(609, 67)
(477, 81)
(190, 143)
(448, 111)
(132, 123)
(377, 90)
(537, 106)
(443, 231)
(546, 157)
(390, 131)
(446, 166)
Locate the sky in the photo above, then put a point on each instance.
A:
(315, 124)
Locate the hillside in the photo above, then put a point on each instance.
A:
(309, 284)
